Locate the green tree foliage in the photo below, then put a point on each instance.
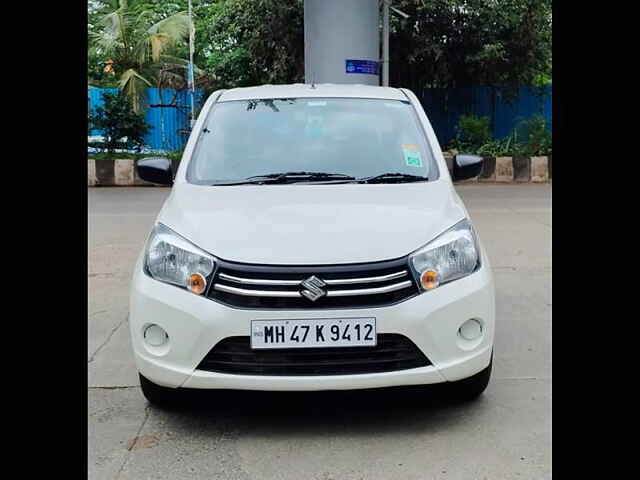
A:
(116, 119)
(252, 42)
(453, 43)
(141, 42)
(444, 43)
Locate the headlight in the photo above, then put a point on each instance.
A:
(172, 259)
(452, 255)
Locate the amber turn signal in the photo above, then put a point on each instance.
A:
(197, 283)
(429, 279)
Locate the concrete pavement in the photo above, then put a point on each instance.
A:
(506, 434)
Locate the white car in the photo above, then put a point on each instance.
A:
(312, 240)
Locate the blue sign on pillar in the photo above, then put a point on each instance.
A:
(369, 67)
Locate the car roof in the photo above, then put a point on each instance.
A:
(301, 90)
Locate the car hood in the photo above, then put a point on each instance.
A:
(311, 224)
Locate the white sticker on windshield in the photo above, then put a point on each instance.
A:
(317, 104)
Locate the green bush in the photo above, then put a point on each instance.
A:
(117, 156)
(532, 137)
(493, 148)
(116, 119)
(472, 133)
(175, 156)
(104, 146)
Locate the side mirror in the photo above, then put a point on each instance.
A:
(466, 166)
(155, 170)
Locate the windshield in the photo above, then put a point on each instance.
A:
(348, 136)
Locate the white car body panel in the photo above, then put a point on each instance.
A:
(306, 224)
(326, 90)
(311, 224)
(194, 324)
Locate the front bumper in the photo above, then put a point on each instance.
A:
(195, 324)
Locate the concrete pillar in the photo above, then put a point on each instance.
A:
(336, 31)
(123, 172)
(504, 169)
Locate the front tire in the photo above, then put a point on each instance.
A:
(157, 395)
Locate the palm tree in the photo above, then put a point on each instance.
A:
(140, 49)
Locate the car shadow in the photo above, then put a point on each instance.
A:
(360, 412)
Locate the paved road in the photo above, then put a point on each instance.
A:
(506, 434)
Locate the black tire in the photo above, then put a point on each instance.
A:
(160, 396)
(472, 387)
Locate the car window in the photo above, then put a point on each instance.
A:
(356, 137)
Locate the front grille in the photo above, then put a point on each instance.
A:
(341, 286)
(393, 352)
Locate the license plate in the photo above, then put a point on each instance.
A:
(326, 332)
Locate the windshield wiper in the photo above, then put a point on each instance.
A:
(304, 176)
(323, 177)
(394, 176)
(288, 177)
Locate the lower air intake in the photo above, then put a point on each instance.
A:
(393, 352)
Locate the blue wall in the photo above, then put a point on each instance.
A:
(445, 105)
(169, 125)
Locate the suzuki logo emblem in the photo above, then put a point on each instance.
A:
(313, 288)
